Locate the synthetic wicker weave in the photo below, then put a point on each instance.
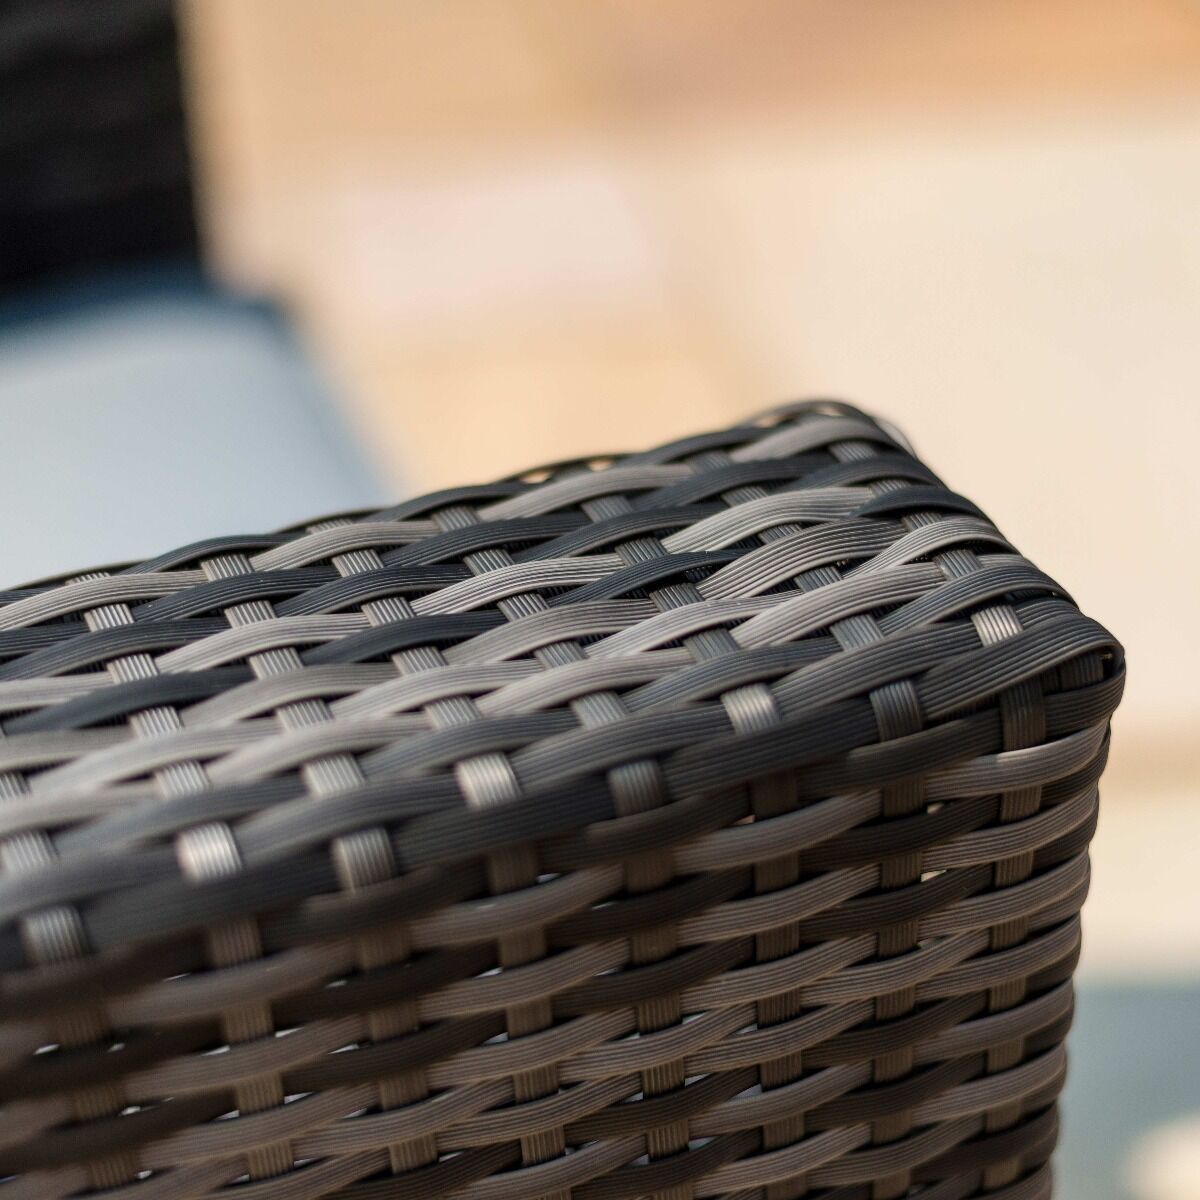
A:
(710, 821)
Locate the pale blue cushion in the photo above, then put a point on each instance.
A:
(152, 411)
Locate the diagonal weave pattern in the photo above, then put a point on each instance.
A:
(710, 821)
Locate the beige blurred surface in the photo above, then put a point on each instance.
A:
(1165, 1165)
(523, 230)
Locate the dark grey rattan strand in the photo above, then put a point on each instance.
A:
(708, 821)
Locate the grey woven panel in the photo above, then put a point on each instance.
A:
(710, 821)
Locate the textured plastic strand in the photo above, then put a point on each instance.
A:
(710, 821)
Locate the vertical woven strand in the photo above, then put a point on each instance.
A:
(1023, 723)
(58, 935)
(897, 712)
(239, 941)
(361, 860)
(1023, 720)
(752, 708)
(491, 781)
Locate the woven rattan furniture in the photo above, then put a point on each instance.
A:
(709, 821)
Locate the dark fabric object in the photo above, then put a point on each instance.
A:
(94, 162)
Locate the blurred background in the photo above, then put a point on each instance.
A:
(260, 261)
